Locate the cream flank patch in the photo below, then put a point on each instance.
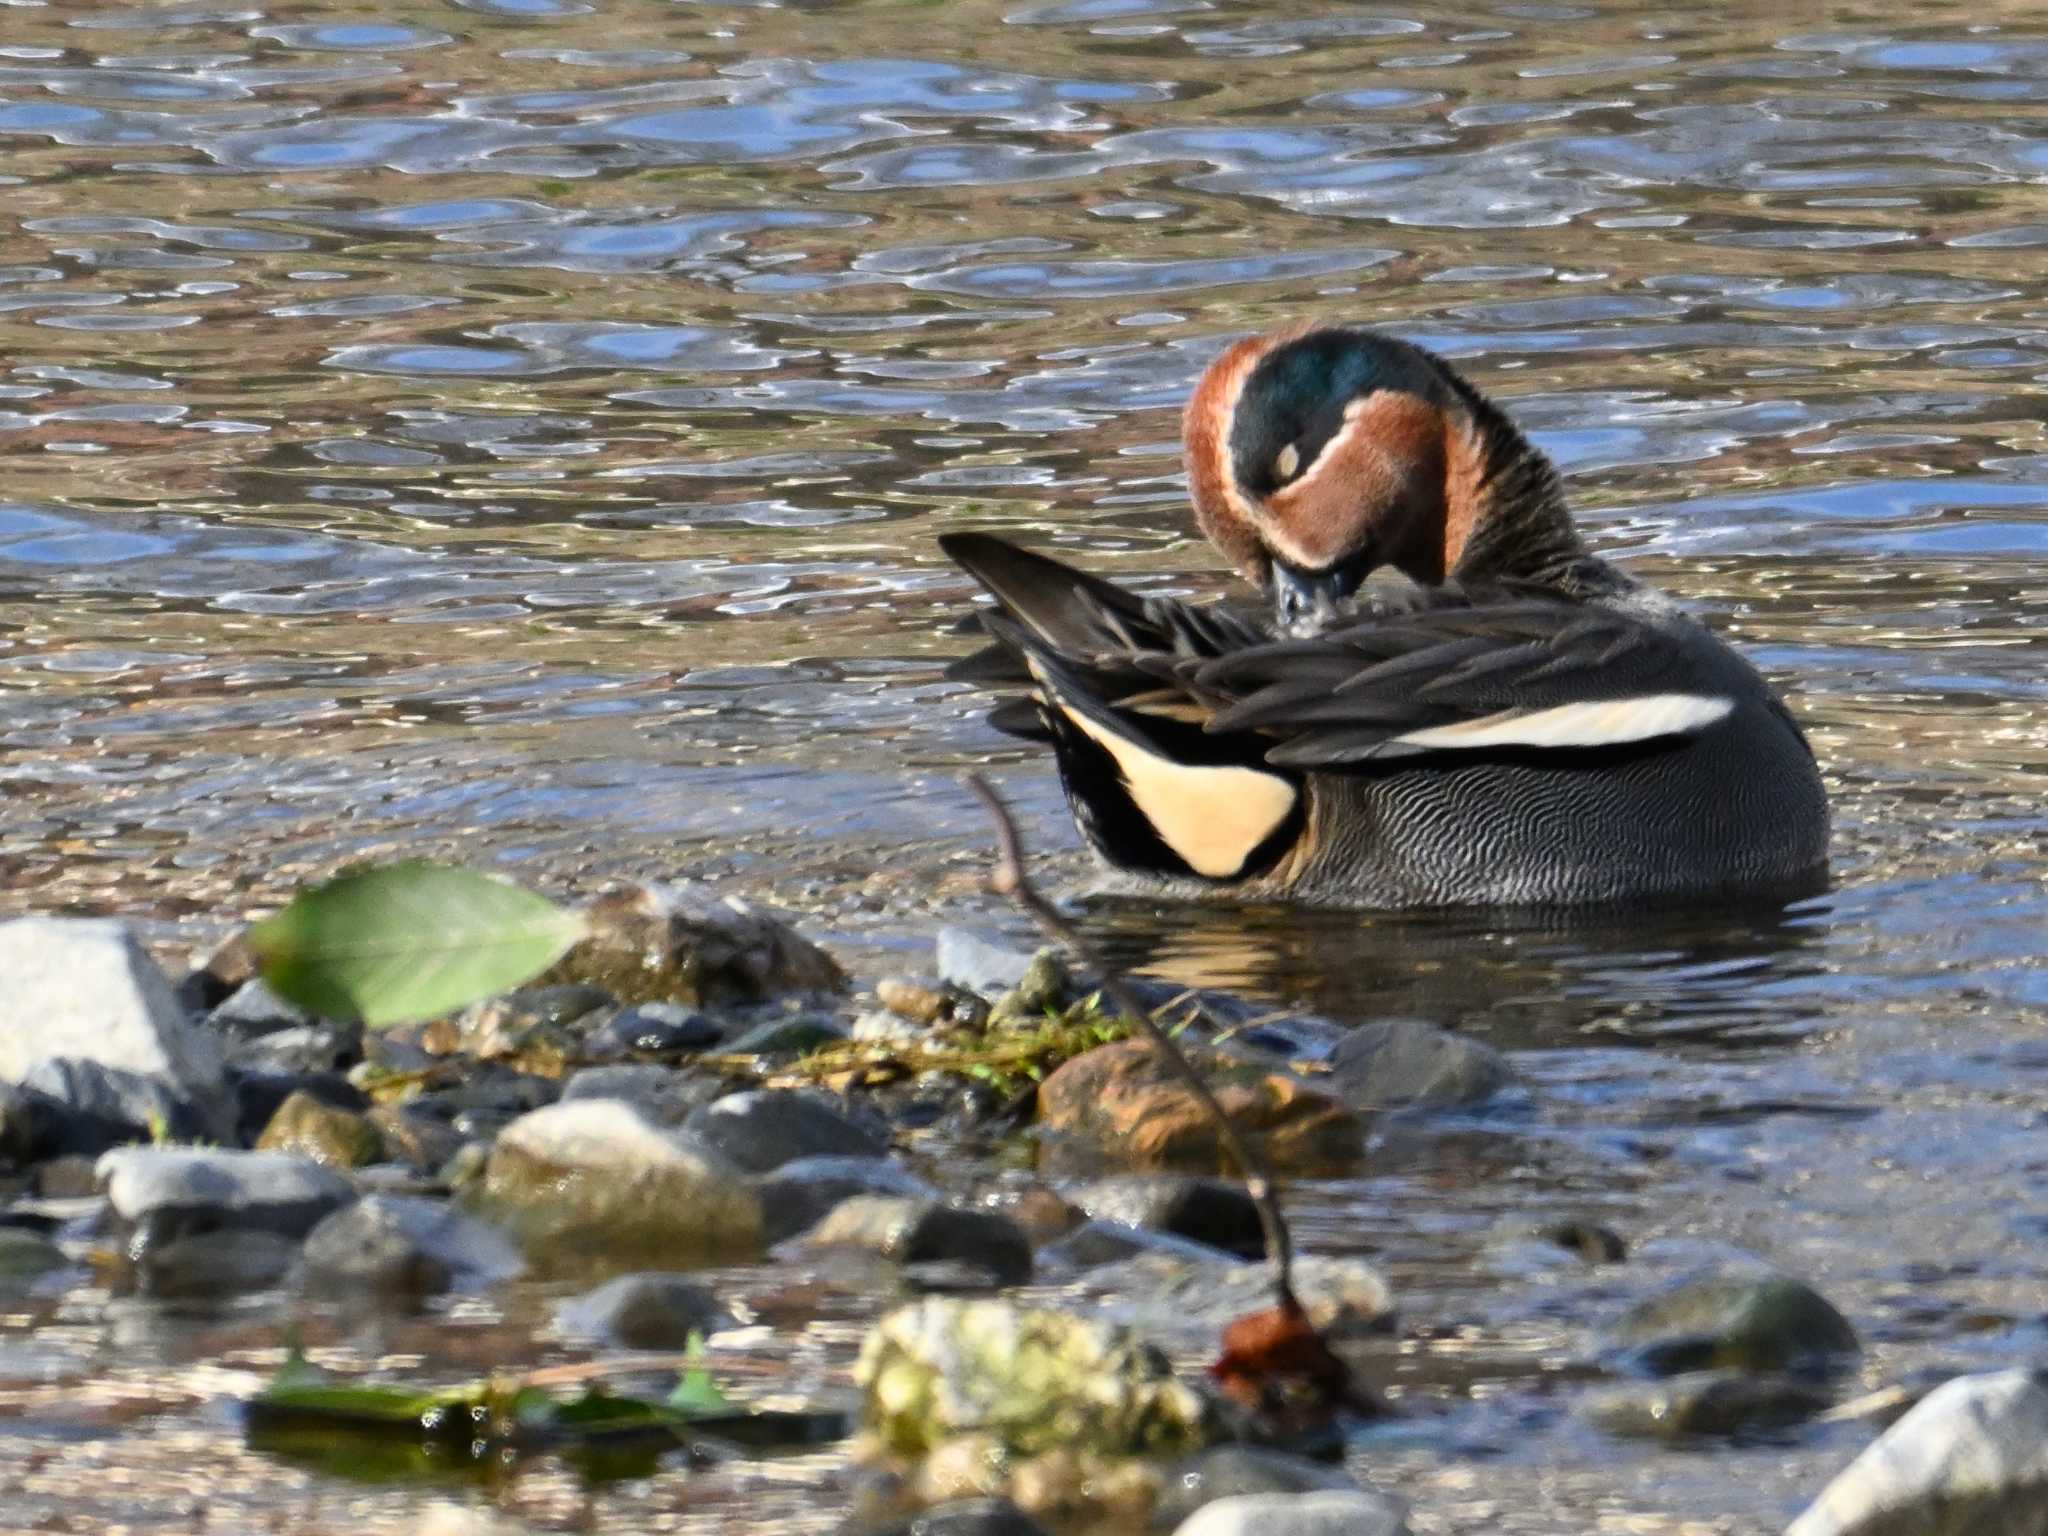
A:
(1602, 723)
(1211, 817)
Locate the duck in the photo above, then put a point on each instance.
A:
(1443, 696)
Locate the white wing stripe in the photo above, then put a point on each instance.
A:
(1598, 723)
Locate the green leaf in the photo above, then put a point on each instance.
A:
(696, 1395)
(408, 941)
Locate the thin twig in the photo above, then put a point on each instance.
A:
(1011, 880)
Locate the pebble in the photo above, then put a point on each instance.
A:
(1969, 1459)
(252, 1010)
(309, 1124)
(1344, 1297)
(86, 989)
(649, 1310)
(201, 1266)
(964, 1517)
(661, 1093)
(1231, 1471)
(1704, 1403)
(1212, 1211)
(598, 1178)
(654, 1029)
(1396, 1062)
(976, 964)
(1735, 1318)
(1322, 1513)
(921, 1232)
(797, 1036)
(404, 1246)
(174, 1190)
(762, 1129)
(798, 1194)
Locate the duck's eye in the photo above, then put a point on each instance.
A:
(1287, 463)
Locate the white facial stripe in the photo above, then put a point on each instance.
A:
(1211, 817)
(1605, 723)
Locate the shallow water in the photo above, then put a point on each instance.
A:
(520, 428)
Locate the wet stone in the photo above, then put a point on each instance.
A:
(404, 1246)
(1519, 1246)
(339, 1138)
(674, 944)
(1212, 1211)
(796, 1036)
(1043, 1213)
(1969, 1459)
(252, 1010)
(1231, 1471)
(91, 1107)
(662, 1093)
(25, 1255)
(1754, 1322)
(1706, 1403)
(797, 1195)
(1327, 1513)
(963, 1517)
(598, 1180)
(925, 1232)
(260, 1095)
(761, 1130)
(203, 1265)
(1397, 1062)
(641, 1311)
(177, 1189)
(1043, 988)
(653, 1029)
(84, 989)
(1096, 1243)
(975, 964)
(912, 1000)
(423, 1141)
(1344, 1297)
(299, 1048)
(1123, 1100)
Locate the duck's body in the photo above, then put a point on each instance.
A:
(1526, 725)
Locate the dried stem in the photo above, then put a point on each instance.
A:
(1011, 880)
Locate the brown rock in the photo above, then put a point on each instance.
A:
(911, 1000)
(338, 1138)
(662, 944)
(1126, 1099)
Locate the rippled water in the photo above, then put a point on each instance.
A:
(521, 427)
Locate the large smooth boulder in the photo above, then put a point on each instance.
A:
(85, 988)
(596, 1180)
(1970, 1459)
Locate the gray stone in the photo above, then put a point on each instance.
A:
(1735, 1319)
(927, 1232)
(1970, 1459)
(200, 1266)
(1212, 1211)
(663, 1093)
(1096, 1243)
(176, 1190)
(975, 964)
(85, 988)
(796, 1036)
(598, 1179)
(653, 1029)
(1705, 1403)
(299, 1048)
(406, 1246)
(762, 1129)
(1325, 1513)
(797, 1195)
(1232, 1471)
(1394, 1062)
(651, 1310)
(252, 1010)
(24, 1255)
(93, 1107)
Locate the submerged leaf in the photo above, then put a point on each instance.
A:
(408, 941)
(697, 1395)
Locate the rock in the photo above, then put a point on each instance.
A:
(1344, 1297)
(1521, 1246)
(28, 1124)
(466, 1520)
(1044, 988)
(1030, 1380)
(1404, 1061)
(1969, 1459)
(308, 1126)
(797, 1036)
(92, 1107)
(661, 1093)
(643, 1311)
(1039, 1209)
(404, 1246)
(24, 1255)
(964, 1517)
(1232, 1471)
(761, 1130)
(1734, 1319)
(668, 944)
(84, 988)
(912, 1000)
(975, 964)
(1123, 1098)
(909, 1231)
(424, 1141)
(1705, 1403)
(69, 1177)
(302, 1048)
(171, 1191)
(1326, 1513)
(597, 1178)
(536, 1029)
(200, 1266)
(1213, 1211)
(253, 1010)
(798, 1195)
(653, 1029)
(883, 1028)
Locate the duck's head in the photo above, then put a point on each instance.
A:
(1317, 454)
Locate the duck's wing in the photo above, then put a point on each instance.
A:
(1470, 673)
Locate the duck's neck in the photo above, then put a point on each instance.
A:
(1505, 510)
